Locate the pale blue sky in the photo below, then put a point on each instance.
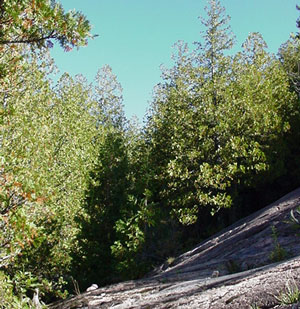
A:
(136, 37)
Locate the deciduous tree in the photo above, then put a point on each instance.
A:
(39, 22)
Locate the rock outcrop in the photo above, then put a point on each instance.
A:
(234, 269)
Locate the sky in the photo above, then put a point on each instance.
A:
(136, 37)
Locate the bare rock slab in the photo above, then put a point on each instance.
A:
(232, 269)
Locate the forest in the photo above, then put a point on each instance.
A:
(88, 196)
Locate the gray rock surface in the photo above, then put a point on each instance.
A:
(232, 269)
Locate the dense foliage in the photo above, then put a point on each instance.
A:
(89, 197)
(38, 22)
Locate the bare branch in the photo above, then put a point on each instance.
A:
(28, 41)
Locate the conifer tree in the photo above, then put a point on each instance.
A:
(215, 120)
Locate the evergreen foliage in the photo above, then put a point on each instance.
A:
(87, 196)
(219, 124)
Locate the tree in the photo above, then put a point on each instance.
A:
(107, 191)
(38, 22)
(298, 20)
(105, 197)
(218, 122)
(46, 145)
(289, 56)
(186, 107)
(109, 98)
(116, 214)
(218, 38)
(47, 151)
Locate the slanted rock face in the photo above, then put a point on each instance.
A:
(232, 269)
(247, 244)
